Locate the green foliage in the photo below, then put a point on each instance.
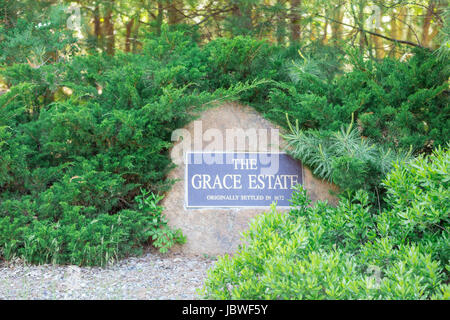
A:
(78, 238)
(418, 194)
(347, 252)
(163, 237)
(343, 157)
(36, 38)
(396, 104)
(83, 136)
(79, 139)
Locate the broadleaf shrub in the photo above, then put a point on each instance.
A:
(347, 252)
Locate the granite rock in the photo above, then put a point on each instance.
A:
(217, 231)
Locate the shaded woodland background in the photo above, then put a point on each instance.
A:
(31, 30)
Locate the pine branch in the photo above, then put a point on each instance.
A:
(371, 32)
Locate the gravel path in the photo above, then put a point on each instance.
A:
(151, 276)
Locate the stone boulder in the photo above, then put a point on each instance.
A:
(217, 231)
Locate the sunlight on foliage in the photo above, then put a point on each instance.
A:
(347, 252)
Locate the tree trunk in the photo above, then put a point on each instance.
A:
(295, 20)
(136, 36)
(129, 28)
(395, 31)
(97, 27)
(243, 16)
(325, 29)
(248, 17)
(433, 34)
(402, 21)
(159, 18)
(378, 44)
(409, 31)
(362, 34)
(281, 24)
(236, 11)
(337, 28)
(174, 11)
(109, 32)
(427, 23)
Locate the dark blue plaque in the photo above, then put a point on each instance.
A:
(240, 179)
